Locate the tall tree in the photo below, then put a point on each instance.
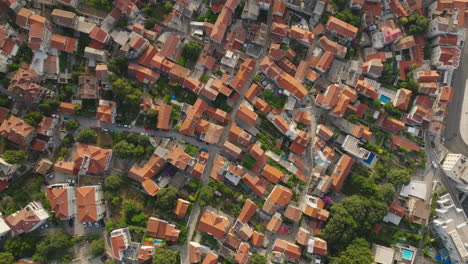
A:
(340, 229)
(356, 253)
(87, 135)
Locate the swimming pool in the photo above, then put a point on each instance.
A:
(384, 99)
(158, 242)
(408, 255)
(369, 159)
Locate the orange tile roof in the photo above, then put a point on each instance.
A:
(178, 158)
(393, 125)
(210, 258)
(293, 213)
(361, 131)
(161, 229)
(257, 239)
(198, 170)
(324, 132)
(247, 115)
(58, 199)
(341, 171)
(446, 93)
(181, 208)
(243, 255)
(272, 174)
(339, 26)
(98, 158)
(98, 34)
(147, 171)
(213, 224)
(87, 204)
(63, 43)
(367, 89)
(403, 98)
(288, 248)
(256, 184)
(248, 210)
(274, 224)
(16, 130)
(67, 108)
(302, 236)
(164, 116)
(329, 98)
(403, 142)
(280, 195)
(105, 112)
(64, 167)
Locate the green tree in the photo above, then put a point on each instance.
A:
(87, 135)
(33, 118)
(166, 199)
(6, 258)
(118, 65)
(150, 23)
(340, 229)
(130, 209)
(398, 176)
(356, 253)
(385, 193)
(52, 246)
(165, 256)
(417, 25)
(191, 49)
(349, 17)
(168, 7)
(97, 247)
(71, 124)
(123, 149)
(258, 259)
(152, 113)
(22, 246)
(367, 212)
(125, 91)
(14, 156)
(49, 106)
(113, 182)
(138, 152)
(205, 196)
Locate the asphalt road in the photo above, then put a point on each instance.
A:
(454, 142)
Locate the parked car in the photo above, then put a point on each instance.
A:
(55, 116)
(66, 118)
(147, 128)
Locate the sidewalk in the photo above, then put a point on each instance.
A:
(464, 116)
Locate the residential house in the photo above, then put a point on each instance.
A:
(64, 18)
(120, 241)
(17, 131)
(341, 29)
(158, 228)
(145, 173)
(213, 224)
(87, 88)
(341, 171)
(106, 111)
(7, 170)
(63, 43)
(181, 208)
(291, 250)
(90, 203)
(23, 84)
(62, 200)
(28, 219)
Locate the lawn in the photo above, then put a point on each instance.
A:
(104, 139)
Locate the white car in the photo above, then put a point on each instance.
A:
(126, 126)
(434, 165)
(55, 116)
(144, 134)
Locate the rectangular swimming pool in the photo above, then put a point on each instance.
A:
(368, 161)
(408, 255)
(384, 99)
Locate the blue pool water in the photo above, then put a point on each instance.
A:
(157, 242)
(407, 254)
(369, 160)
(384, 99)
